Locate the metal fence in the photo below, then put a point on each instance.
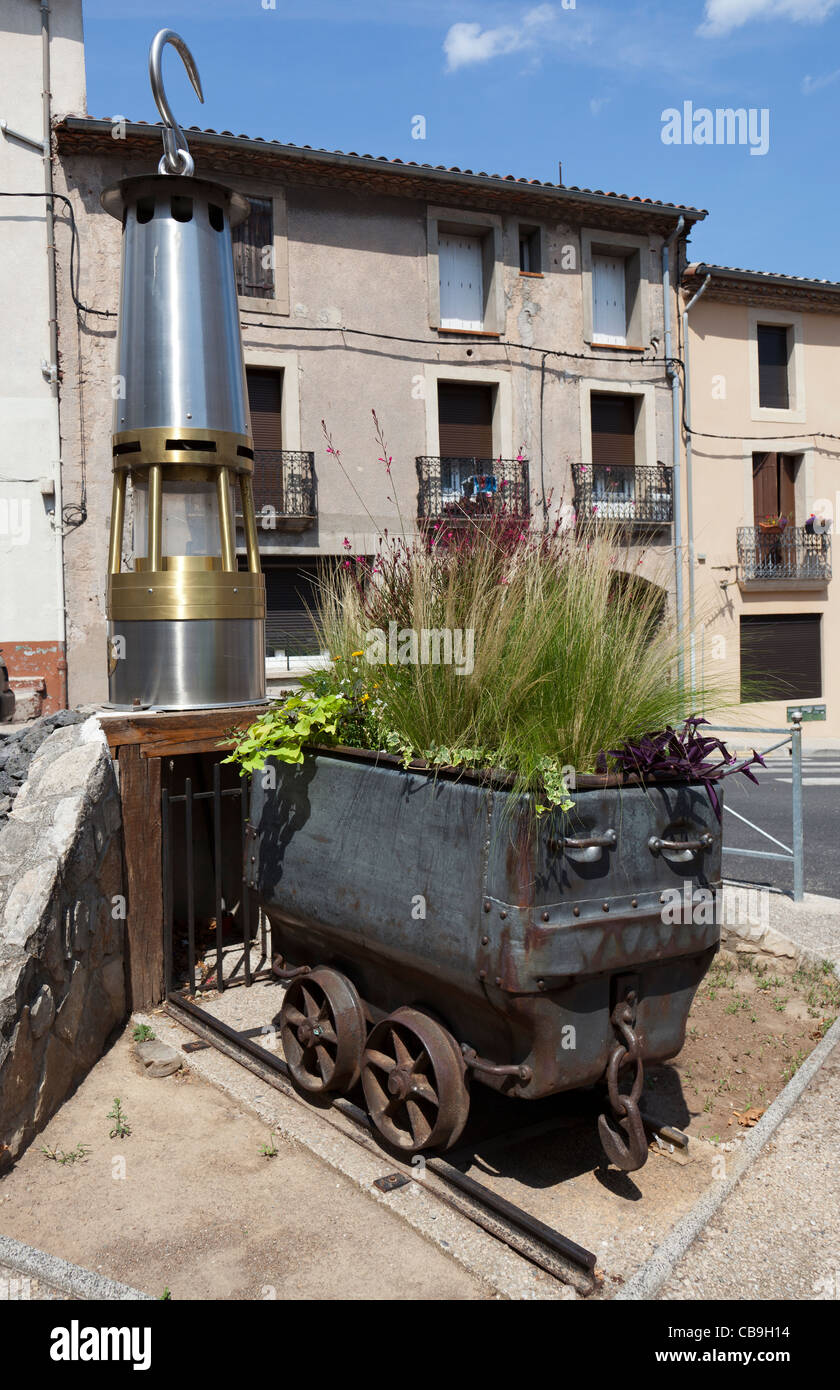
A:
(623, 493)
(236, 909)
(792, 553)
(458, 489)
(791, 854)
(284, 487)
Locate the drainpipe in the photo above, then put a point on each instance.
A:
(51, 367)
(674, 378)
(689, 494)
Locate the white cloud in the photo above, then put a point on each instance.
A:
(814, 84)
(722, 16)
(467, 44)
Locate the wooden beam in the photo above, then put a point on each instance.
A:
(168, 729)
(140, 795)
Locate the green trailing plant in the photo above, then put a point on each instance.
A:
(285, 728)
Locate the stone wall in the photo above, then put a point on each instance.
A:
(62, 910)
(18, 747)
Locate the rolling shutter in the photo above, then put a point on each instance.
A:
(613, 431)
(773, 356)
(465, 415)
(780, 657)
(290, 590)
(265, 400)
(461, 282)
(609, 300)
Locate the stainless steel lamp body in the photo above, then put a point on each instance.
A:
(180, 350)
(185, 631)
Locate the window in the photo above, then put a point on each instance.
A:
(465, 424)
(780, 657)
(530, 261)
(609, 300)
(614, 283)
(461, 281)
(291, 598)
(253, 251)
(265, 401)
(773, 367)
(774, 487)
(613, 420)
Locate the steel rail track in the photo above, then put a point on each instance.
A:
(541, 1245)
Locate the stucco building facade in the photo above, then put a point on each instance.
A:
(765, 447)
(509, 335)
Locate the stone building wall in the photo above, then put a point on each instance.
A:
(62, 911)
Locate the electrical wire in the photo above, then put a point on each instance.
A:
(478, 340)
(75, 252)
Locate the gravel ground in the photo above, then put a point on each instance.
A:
(777, 1236)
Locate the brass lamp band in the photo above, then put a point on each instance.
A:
(117, 521)
(180, 445)
(185, 594)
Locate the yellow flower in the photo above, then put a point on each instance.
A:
(357, 653)
(365, 697)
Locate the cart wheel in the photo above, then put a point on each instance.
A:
(414, 1080)
(322, 1026)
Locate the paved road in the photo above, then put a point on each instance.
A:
(769, 805)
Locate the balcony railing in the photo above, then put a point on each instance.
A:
(285, 496)
(792, 553)
(458, 490)
(635, 496)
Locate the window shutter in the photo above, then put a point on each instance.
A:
(774, 486)
(465, 415)
(780, 657)
(613, 431)
(289, 591)
(250, 239)
(773, 358)
(787, 487)
(461, 282)
(265, 399)
(765, 486)
(609, 300)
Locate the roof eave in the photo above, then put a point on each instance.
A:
(77, 126)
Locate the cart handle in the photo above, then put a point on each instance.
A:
(655, 845)
(606, 841)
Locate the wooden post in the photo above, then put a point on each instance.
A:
(140, 795)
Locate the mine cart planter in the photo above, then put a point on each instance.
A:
(436, 931)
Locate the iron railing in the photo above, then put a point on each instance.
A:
(459, 489)
(791, 553)
(285, 495)
(792, 854)
(623, 493)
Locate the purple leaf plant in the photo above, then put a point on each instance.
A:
(682, 753)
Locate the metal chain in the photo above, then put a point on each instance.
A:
(625, 1144)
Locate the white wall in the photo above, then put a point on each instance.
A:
(30, 540)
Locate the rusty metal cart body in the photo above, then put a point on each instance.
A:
(436, 928)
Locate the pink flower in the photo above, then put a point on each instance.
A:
(346, 543)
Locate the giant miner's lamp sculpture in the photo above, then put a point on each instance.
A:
(186, 626)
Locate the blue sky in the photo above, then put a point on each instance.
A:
(515, 88)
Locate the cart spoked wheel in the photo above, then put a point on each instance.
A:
(322, 1027)
(414, 1079)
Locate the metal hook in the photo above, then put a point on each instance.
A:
(176, 154)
